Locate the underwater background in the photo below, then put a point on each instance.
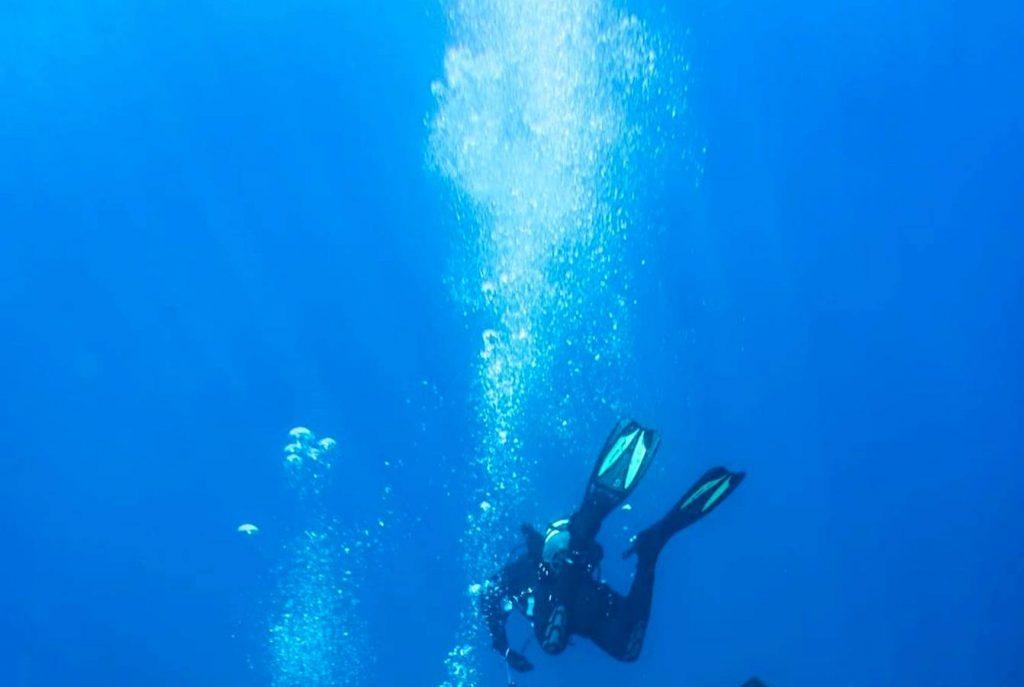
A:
(461, 240)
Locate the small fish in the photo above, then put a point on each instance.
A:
(248, 528)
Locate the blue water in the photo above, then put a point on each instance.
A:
(461, 240)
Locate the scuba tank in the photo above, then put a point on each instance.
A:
(558, 554)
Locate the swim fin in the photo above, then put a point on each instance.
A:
(626, 455)
(703, 497)
(699, 500)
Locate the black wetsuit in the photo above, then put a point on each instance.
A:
(565, 597)
(556, 582)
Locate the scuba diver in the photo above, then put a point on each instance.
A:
(555, 582)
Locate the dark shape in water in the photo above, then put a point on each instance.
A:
(555, 584)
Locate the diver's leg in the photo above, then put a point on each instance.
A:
(585, 523)
(705, 495)
(614, 622)
(618, 623)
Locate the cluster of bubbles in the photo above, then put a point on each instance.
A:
(317, 634)
(305, 447)
(308, 461)
(540, 114)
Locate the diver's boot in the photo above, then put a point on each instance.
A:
(699, 500)
(648, 543)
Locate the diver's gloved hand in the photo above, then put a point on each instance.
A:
(518, 662)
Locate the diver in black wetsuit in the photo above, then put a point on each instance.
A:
(554, 582)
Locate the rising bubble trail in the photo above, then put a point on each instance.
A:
(539, 116)
(317, 637)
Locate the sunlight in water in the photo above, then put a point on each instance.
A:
(540, 112)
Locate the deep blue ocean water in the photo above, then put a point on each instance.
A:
(219, 221)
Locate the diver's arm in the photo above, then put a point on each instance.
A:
(492, 607)
(495, 604)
